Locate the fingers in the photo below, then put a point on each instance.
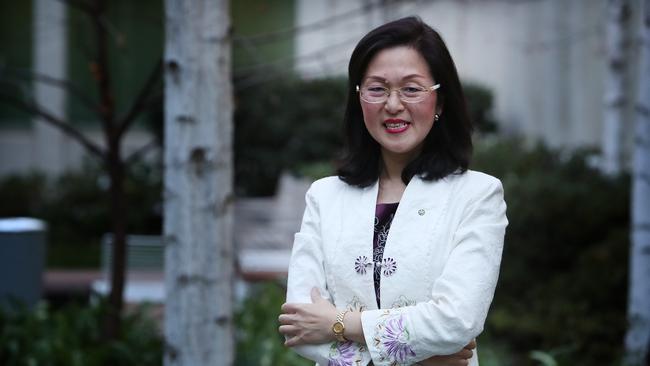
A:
(449, 360)
(285, 319)
(293, 341)
(471, 344)
(465, 354)
(289, 330)
(289, 308)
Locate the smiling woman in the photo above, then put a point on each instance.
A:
(397, 258)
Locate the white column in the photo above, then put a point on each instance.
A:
(49, 58)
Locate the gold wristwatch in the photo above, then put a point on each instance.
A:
(339, 327)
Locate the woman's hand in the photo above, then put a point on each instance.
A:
(308, 323)
(460, 358)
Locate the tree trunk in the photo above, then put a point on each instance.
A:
(638, 335)
(115, 167)
(198, 184)
(616, 84)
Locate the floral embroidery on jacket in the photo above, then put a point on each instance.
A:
(356, 305)
(361, 263)
(389, 266)
(392, 339)
(344, 354)
(402, 301)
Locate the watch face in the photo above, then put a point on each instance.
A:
(337, 327)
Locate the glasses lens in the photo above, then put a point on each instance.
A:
(412, 94)
(379, 94)
(374, 94)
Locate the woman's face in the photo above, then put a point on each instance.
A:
(399, 127)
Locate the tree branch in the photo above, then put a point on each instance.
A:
(136, 155)
(101, 72)
(143, 99)
(66, 128)
(63, 84)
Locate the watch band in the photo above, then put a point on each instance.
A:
(339, 326)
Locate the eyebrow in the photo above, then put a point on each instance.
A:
(409, 76)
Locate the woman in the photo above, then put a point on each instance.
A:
(420, 293)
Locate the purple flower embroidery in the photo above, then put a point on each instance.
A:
(395, 338)
(361, 263)
(342, 354)
(388, 266)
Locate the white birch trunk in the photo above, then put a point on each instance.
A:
(198, 184)
(638, 335)
(616, 98)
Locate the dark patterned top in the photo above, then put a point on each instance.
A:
(384, 213)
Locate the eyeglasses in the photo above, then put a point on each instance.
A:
(408, 94)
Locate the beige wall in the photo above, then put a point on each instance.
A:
(544, 59)
(18, 153)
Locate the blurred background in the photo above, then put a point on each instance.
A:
(551, 85)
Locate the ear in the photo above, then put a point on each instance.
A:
(439, 106)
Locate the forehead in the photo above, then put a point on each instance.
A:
(397, 64)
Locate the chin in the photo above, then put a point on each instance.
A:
(400, 150)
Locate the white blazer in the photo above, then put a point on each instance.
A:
(440, 267)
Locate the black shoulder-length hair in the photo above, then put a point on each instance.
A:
(447, 148)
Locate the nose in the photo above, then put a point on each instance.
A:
(393, 103)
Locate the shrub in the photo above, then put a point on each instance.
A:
(71, 336)
(295, 123)
(480, 103)
(76, 208)
(258, 341)
(562, 286)
(283, 126)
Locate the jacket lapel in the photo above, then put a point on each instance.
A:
(412, 235)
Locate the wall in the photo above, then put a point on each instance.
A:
(544, 59)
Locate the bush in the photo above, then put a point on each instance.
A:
(258, 341)
(76, 207)
(563, 286)
(71, 336)
(283, 126)
(295, 123)
(479, 103)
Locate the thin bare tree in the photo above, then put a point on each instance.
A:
(114, 126)
(198, 184)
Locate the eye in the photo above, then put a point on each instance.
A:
(410, 90)
(375, 91)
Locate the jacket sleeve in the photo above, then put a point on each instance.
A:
(306, 270)
(460, 296)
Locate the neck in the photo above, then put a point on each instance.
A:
(393, 164)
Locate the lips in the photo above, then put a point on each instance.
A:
(394, 125)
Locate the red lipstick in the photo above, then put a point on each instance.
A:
(396, 125)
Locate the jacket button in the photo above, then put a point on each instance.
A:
(421, 212)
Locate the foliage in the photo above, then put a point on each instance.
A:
(76, 209)
(294, 123)
(563, 277)
(258, 340)
(562, 289)
(480, 103)
(282, 126)
(71, 336)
